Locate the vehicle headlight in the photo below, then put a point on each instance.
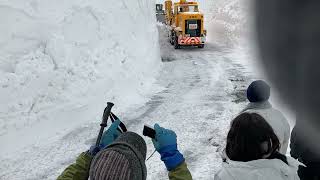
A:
(203, 39)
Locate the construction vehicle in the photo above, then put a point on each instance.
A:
(185, 22)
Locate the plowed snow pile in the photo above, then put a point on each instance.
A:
(227, 21)
(60, 61)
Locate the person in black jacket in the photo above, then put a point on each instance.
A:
(305, 154)
(288, 35)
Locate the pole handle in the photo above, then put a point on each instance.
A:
(106, 114)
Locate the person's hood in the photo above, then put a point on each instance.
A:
(259, 169)
(257, 106)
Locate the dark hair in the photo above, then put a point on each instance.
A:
(248, 131)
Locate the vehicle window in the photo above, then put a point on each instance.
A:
(188, 9)
(191, 9)
(196, 9)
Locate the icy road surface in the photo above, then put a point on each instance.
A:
(204, 89)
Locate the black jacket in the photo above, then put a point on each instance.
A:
(304, 153)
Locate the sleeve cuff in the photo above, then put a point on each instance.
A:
(173, 161)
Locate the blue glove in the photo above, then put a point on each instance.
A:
(107, 138)
(165, 143)
(111, 134)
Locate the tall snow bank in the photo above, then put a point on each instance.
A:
(60, 61)
(227, 21)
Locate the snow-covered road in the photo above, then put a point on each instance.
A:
(204, 89)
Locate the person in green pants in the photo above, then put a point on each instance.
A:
(121, 156)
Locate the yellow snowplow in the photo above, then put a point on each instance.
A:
(185, 23)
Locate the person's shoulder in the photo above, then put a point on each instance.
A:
(279, 114)
(251, 170)
(222, 174)
(276, 110)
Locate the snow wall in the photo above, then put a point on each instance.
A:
(61, 61)
(227, 21)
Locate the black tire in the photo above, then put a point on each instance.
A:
(201, 46)
(171, 38)
(176, 45)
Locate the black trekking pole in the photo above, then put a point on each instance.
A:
(106, 114)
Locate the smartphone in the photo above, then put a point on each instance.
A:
(149, 131)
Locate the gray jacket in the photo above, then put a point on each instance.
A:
(276, 120)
